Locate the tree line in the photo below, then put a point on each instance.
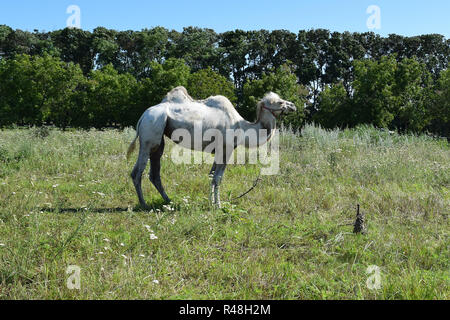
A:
(73, 77)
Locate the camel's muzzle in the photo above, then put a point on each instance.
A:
(289, 107)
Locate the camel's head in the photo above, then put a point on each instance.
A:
(277, 106)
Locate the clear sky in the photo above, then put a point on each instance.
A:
(405, 17)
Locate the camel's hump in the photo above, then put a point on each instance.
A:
(178, 95)
(219, 102)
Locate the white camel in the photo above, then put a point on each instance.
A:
(178, 111)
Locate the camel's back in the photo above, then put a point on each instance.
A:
(181, 105)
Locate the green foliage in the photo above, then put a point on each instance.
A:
(75, 45)
(162, 78)
(335, 107)
(412, 90)
(196, 46)
(110, 97)
(37, 89)
(105, 45)
(392, 81)
(373, 91)
(281, 81)
(205, 83)
(386, 93)
(21, 99)
(440, 105)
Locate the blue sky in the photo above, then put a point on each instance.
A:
(403, 17)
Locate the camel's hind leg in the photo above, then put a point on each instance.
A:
(136, 174)
(155, 168)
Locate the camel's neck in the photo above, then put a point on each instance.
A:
(262, 129)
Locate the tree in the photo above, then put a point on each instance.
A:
(385, 93)
(440, 105)
(162, 78)
(21, 101)
(233, 49)
(75, 45)
(412, 91)
(4, 33)
(59, 83)
(335, 107)
(13, 42)
(37, 89)
(281, 81)
(151, 46)
(105, 47)
(373, 91)
(111, 98)
(205, 83)
(197, 47)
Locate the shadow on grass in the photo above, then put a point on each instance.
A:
(154, 205)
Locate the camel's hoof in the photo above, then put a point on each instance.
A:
(144, 207)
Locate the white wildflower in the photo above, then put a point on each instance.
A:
(168, 207)
(153, 236)
(155, 281)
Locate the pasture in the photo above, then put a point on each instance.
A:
(66, 198)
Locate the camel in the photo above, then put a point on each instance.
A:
(179, 111)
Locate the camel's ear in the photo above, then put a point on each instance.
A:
(259, 106)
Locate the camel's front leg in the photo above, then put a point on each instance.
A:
(211, 175)
(215, 184)
(213, 169)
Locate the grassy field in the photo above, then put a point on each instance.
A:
(67, 199)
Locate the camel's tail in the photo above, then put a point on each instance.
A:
(133, 144)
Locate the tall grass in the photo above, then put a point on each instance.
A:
(66, 199)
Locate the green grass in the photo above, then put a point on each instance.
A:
(67, 199)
